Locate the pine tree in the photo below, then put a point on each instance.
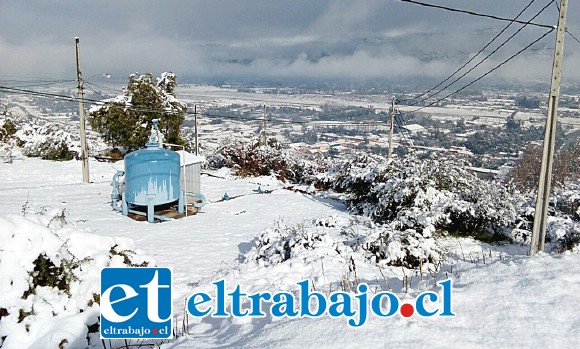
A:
(126, 119)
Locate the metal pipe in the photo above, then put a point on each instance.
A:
(202, 198)
(182, 169)
(163, 218)
(115, 192)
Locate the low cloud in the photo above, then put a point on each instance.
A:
(326, 39)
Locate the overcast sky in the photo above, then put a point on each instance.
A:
(271, 38)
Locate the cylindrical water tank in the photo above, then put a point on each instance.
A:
(152, 173)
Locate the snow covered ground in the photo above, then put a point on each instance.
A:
(501, 297)
(487, 114)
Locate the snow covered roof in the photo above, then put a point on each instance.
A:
(297, 145)
(189, 158)
(414, 127)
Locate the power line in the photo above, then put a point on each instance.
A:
(573, 37)
(209, 115)
(15, 90)
(489, 72)
(489, 55)
(400, 123)
(474, 57)
(36, 83)
(88, 85)
(567, 31)
(110, 89)
(475, 13)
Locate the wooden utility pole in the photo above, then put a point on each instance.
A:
(391, 128)
(543, 196)
(195, 128)
(263, 136)
(83, 131)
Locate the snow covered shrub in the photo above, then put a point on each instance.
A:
(250, 158)
(57, 151)
(9, 141)
(400, 248)
(280, 243)
(423, 195)
(41, 138)
(50, 280)
(50, 142)
(565, 234)
(355, 176)
(568, 200)
(343, 238)
(483, 207)
(563, 228)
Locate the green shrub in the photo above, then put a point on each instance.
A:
(57, 151)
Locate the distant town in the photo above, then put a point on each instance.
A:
(489, 128)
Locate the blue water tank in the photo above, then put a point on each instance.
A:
(152, 173)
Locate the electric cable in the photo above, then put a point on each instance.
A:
(475, 13)
(472, 58)
(486, 74)
(35, 83)
(206, 114)
(567, 31)
(573, 37)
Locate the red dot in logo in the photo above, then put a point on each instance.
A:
(155, 331)
(407, 310)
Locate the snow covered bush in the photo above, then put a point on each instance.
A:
(36, 137)
(563, 233)
(563, 228)
(343, 238)
(482, 207)
(407, 248)
(50, 280)
(251, 158)
(567, 200)
(423, 195)
(50, 142)
(282, 242)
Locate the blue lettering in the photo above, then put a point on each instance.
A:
(283, 307)
(305, 296)
(237, 302)
(257, 305)
(393, 304)
(192, 304)
(340, 307)
(362, 306)
(447, 285)
(420, 303)
(221, 299)
(315, 304)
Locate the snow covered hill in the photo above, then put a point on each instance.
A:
(501, 297)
